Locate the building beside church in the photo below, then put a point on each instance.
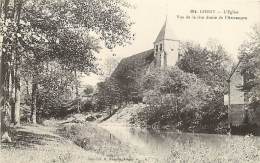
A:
(241, 114)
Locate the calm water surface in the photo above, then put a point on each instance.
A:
(159, 143)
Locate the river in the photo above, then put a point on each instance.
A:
(159, 144)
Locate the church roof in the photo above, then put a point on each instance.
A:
(134, 63)
(166, 33)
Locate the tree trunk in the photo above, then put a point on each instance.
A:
(4, 77)
(17, 98)
(3, 94)
(76, 84)
(110, 110)
(17, 84)
(12, 91)
(34, 102)
(77, 91)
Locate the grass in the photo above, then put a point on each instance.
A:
(39, 144)
(93, 138)
(233, 150)
(58, 153)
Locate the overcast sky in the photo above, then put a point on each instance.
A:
(149, 16)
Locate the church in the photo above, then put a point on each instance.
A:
(166, 48)
(165, 53)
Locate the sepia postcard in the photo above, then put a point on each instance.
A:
(138, 81)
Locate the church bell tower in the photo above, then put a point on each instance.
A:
(166, 47)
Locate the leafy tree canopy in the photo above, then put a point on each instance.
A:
(250, 58)
(209, 64)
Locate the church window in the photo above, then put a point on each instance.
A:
(160, 47)
(156, 48)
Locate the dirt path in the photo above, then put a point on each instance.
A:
(41, 144)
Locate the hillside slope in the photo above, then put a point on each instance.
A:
(124, 115)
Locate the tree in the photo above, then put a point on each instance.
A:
(250, 55)
(10, 79)
(9, 91)
(109, 94)
(60, 31)
(209, 64)
(175, 98)
(212, 65)
(54, 90)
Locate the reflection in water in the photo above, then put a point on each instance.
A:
(159, 143)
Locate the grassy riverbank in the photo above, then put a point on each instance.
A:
(41, 144)
(93, 138)
(87, 142)
(66, 143)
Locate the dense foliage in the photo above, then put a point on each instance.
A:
(174, 98)
(48, 43)
(109, 94)
(250, 65)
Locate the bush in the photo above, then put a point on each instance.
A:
(174, 98)
(87, 105)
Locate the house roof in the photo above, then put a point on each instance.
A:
(240, 62)
(166, 33)
(234, 70)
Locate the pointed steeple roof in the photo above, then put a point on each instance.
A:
(166, 33)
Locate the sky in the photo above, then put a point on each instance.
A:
(149, 17)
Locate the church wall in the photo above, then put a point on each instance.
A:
(171, 50)
(158, 52)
